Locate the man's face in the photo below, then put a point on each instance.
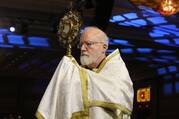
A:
(91, 49)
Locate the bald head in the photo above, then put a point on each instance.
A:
(94, 44)
(94, 33)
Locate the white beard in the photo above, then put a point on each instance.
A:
(86, 60)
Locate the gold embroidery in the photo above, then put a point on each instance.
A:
(39, 115)
(116, 52)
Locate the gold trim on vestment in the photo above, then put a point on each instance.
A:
(80, 115)
(38, 115)
(83, 114)
(116, 52)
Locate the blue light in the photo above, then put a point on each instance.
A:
(148, 11)
(177, 86)
(154, 34)
(118, 18)
(120, 42)
(169, 27)
(165, 51)
(26, 47)
(162, 41)
(177, 75)
(161, 71)
(176, 61)
(110, 50)
(167, 88)
(6, 46)
(167, 31)
(144, 59)
(172, 68)
(176, 41)
(144, 50)
(160, 60)
(168, 77)
(169, 57)
(132, 24)
(157, 33)
(157, 20)
(1, 38)
(131, 15)
(15, 39)
(4, 31)
(139, 22)
(112, 21)
(124, 24)
(127, 50)
(38, 41)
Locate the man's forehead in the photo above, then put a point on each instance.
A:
(92, 35)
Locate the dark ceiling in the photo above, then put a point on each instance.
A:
(40, 18)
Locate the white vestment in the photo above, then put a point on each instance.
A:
(78, 93)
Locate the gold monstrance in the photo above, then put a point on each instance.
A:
(69, 28)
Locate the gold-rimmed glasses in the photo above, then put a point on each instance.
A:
(88, 44)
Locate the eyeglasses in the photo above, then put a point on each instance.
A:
(88, 44)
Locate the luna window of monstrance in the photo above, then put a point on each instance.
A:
(68, 29)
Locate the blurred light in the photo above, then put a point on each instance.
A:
(4, 31)
(119, 42)
(169, 57)
(124, 24)
(176, 41)
(147, 11)
(12, 29)
(15, 39)
(160, 60)
(110, 50)
(117, 18)
(162, 41)
(157, 33)
(6, 46)
(143, 95)
(167, 31)
(161, 71)
(132, 24)
(144, 50)
(26, 47)
(142, 59)
(177, 86)
(157, 20)
(172, 68)
(131, 15)
(38, 41)
(127, 50)
(167, 89)
(1, 38)
(139, 22)
(167, 7)
(169, 27)
(166, 51)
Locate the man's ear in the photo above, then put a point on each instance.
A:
(105, 46)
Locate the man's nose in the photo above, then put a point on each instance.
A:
(83, 47)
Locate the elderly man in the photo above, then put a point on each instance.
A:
(99, 89)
